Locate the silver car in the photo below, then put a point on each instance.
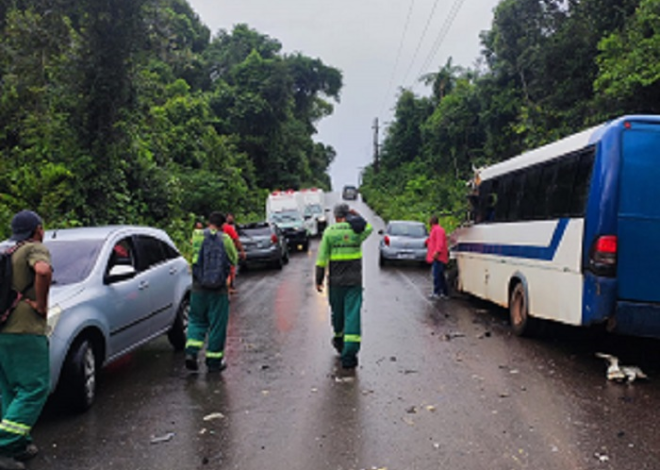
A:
(403, 240)
(114, 288)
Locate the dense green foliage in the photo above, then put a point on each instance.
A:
(130, 111)
(549, 68)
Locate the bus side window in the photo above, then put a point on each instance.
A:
(516, 194)
(533, 202)
(561, 191)
(484, 193)
(582, 182)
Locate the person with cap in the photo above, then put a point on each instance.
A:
(341, 252)
(24, 361)
(209, 304)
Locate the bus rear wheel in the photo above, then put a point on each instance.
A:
(521, 322)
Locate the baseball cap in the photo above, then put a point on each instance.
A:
(23, 225)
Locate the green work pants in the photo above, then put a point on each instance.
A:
(24, 385)
(209, 313)
(346, 302)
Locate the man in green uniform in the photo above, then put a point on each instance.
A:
(341, 251)
(209, 306)
(24, 362)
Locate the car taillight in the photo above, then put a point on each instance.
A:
(386, 240)
(273, 239)
(602, 260)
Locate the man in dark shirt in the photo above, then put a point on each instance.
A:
(24, 361)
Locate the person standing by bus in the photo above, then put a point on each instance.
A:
(438, 256)
(341, 251)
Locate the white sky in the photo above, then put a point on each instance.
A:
(362, 39)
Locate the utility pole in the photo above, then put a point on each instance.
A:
(376, 159)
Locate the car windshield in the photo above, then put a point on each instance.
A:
(285, 217)
(407, 230)
(255, 231)
(313, 209)
(72, 260)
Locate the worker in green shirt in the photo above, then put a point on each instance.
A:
(341, 252)
(213, 254)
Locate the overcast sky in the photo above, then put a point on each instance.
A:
(362, 38)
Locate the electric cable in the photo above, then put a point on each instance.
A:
(421, 40)
(398, 55)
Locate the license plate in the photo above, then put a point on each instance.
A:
(406, 255)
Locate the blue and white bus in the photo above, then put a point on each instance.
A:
(570, 231)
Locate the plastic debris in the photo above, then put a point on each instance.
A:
(619, 373)
(602, 457)
(163, 438)
(452, 334)
(213, 416)
(411, 410)
(344, 380)
(430, 408)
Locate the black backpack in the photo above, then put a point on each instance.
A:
(9, 297)
(212, 267)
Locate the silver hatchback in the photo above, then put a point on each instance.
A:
(403, 240)
(114, 288)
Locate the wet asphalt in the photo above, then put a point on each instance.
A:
(441, 385)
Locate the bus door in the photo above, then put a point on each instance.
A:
(638, 266)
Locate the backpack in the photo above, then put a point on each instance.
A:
(212, 267)
(9, 297)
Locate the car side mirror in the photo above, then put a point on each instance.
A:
(307, 217)
(327, 209)
(120, 272)
(381, 232)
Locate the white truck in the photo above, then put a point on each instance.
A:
(285, 209)
(313, 201)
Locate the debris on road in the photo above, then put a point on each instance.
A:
(451, 335)
(430, 408)
(602, 457)
(213, 416)
(619, 373)
(344, 380)
(163, 438)
(411, 410)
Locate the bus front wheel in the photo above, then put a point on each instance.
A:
(521, 322)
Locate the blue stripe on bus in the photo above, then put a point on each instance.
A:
(543, 253)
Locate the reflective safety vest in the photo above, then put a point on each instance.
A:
(341, 251)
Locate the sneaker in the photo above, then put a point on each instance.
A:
(216, 367)
(338, 343)
(349, 362)
(8, 463)
(434, 296)
(191, 363)
(31, 450)
(444, 296)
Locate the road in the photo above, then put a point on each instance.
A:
(441, 385)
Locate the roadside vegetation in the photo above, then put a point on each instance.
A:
(548, 68)
(132, 111)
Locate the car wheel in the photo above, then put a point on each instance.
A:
(79, 376)
(178, 331)
(305, 246)
(286, 257)
(382, 261)
(521, 322)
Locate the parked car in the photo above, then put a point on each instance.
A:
(264, 243)
(349, 193)
(114, 289)
(403, 240)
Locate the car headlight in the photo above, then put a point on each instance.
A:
(54, 314)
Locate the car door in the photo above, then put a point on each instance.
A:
(127, 299)
(159, 269)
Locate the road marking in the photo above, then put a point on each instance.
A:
(415, 287)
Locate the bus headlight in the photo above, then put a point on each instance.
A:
(54, 314)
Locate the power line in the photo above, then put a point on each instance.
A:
(442, 34)
(398, 55)
(421, 40)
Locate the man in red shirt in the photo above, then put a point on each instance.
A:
(230, 230)
(438, 257)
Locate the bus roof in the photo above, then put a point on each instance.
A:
(547, 152)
